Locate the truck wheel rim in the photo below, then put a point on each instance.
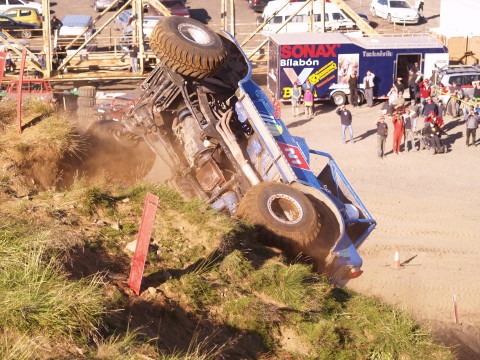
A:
(285, 209)
(194, 34)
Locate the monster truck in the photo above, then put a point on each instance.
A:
(222, 141)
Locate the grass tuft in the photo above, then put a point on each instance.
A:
(37, 298)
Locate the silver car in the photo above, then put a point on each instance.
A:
(100, 5)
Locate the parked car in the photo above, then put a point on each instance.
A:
(176, 7)
(74, 25)
(122, 22)
(24, 14)
(257, 5)
(394, 11)
(7, 4)
(335, 18)
(464, 76)
(16, 28)
(100, 5)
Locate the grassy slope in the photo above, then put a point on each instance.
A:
(210, 289)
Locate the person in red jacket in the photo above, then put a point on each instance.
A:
(398, 130)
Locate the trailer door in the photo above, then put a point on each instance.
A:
(433, 61)
(403, 64)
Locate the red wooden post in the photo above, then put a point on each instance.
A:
(19, 90)
(2, 65)
(143, 240)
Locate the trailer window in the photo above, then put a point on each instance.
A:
(299, 19)
(277, 20)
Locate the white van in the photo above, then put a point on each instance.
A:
(335, 19)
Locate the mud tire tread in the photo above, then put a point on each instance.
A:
(183, 56)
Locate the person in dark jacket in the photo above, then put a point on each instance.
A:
(428, 107)
(353, 87)
(346, 122)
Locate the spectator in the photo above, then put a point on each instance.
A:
(353, 87)
(134, 57)
(456, 94)
(309, 85)
(308, 102)
(465, 107)
(412, 84)
(472, 125)
(8, 60)
(415, 68)
(42, 61)
(414, 112)
(476, 91)
(295, 99)
(400, 103)
(392, 97)
(424, 87)
(428, 107)
(419, 7)
(442, 110)
(399, 85)
(409, 132)
(346, 122)
(382, 133)
(369, 84)
(398, 130)
(55, 24)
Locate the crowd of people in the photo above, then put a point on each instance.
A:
(414, 110)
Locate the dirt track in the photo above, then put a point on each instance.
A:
(424, 204)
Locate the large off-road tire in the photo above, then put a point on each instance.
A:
(87, 112)
(87, 91)
(85, 102)
(285, 217)
(187, 46)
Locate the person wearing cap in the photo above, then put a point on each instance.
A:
(428, 107)
(398, 130)
(472, 125)
(346, 122)
(432, 130)
(382, 134)
(425, 91)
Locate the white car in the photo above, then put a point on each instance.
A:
(7, 4)
(122, 22)
(395, 11)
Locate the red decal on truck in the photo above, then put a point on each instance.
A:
(309, 51)
(294, 156)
